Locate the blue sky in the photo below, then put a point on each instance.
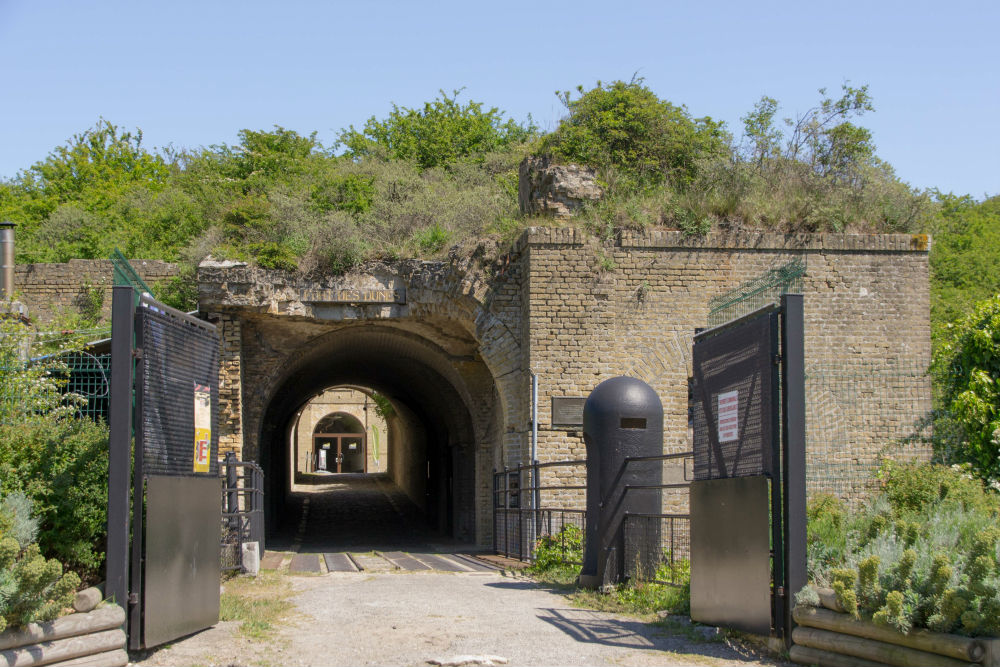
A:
(194, 73)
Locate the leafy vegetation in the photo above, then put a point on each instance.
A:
(440, 134)
(557, 558)
(423, 179)
(964, 257)
(967, 370)
(635, 138)
(56, 459)
(32, 588)
(925, 553)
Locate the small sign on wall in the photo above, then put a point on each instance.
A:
(202, 427)
(567, 410)
(729, 421)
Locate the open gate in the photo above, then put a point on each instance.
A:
(165, 494)
(748, 514)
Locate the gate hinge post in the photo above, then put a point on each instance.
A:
(137, 353)
(133, 598)
(777, 360)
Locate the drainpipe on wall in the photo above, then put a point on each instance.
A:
(7, 260)
(536, 480)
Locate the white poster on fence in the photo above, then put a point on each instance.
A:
(728, 416)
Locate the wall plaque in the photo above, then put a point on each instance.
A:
(383, 295)
(567, 410)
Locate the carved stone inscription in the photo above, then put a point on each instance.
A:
(355, 295)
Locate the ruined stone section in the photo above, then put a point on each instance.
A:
(559, 190)
(55, 290)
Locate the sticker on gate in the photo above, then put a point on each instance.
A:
(729, 422)
(202, 427)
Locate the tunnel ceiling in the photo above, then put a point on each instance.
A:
(398, 364)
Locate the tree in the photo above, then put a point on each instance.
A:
(824, 137)
(967, 368)
(759, 130)
(626, 128)
(441, 133)
(964, 257)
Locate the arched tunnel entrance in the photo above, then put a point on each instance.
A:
(436, 406)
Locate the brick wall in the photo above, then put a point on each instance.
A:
(52, 291)
(631, 307)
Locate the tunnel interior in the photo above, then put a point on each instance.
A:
(430, 438)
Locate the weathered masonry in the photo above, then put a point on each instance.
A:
(452, 345)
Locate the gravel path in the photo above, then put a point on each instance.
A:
(413, 618)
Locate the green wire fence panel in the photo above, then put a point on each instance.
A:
(90, 378)
(858, 415)
(126, 276)
(756, 293)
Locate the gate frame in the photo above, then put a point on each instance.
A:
(787, 481)
(126, 536)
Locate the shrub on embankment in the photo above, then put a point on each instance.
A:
(425, 178)
(924, 553)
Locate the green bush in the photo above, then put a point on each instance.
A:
(440, 134)
(967, 370)
(925, 553)
(559, 552)
(31, 587)
(57, 460)
(630, 134)
(910, 487)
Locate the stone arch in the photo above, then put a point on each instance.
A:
(443, 422)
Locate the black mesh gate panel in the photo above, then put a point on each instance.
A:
(177, 461)
(180, 386)
(733, 402)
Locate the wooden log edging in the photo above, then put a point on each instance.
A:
(870, 649)
(68, 640)
(965, 649)
(805, 655)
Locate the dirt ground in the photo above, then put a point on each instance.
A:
(415, 618)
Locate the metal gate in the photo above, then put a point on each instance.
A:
(748, 498)
(164, 518)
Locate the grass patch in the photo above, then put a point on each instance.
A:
(258, 603)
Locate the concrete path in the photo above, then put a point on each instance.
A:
(413, 618)
(373, 587)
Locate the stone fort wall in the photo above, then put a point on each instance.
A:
(576, 310)
(631, 307)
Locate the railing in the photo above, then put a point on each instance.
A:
(517, 524)
(655, 547)
(242, 509)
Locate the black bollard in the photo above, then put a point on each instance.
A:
(622, 419)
